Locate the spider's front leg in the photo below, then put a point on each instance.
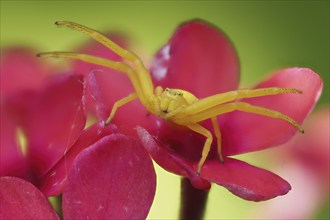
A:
(137, 74)
(143, 76)
(119, 66)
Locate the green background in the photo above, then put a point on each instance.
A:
(268, 35)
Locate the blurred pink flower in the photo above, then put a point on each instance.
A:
(20, 70)
(88, 166)
(199, 58)
(305, 163)
(46, 112)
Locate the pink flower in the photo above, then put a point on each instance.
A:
(200, 59)
(200, 52)
(305, 163)
(43, 142)
(45, 112)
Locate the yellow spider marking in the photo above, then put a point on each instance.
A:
(175, 105)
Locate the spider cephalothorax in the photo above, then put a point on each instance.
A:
(170, 101)
(175, 105)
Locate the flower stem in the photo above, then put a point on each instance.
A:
(193, 201)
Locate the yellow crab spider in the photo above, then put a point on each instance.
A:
(175, 105)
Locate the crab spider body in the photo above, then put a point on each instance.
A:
(175, 105)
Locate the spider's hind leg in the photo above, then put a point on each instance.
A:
(221, 98)
(244, 107)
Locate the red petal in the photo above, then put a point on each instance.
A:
(170, 162)
(20, 70)
(98, 102)
(12, 160)
(21, 200)
(113, 179)
(54, 118)
(198, 58)
(55, 179)
(245, 180)
(245, 132)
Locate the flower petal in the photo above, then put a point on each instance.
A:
(171, 162)
(198, 58)
(21, 200)
(48, 120)
(55, 179)
(20, 70)
(53, 120)
(113, 179)
(244, 180)
(98, 102)
(245, 132)
(12, 159)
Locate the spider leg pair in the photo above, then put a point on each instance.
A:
(200, 111)
(141, 82)
(190, 115)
